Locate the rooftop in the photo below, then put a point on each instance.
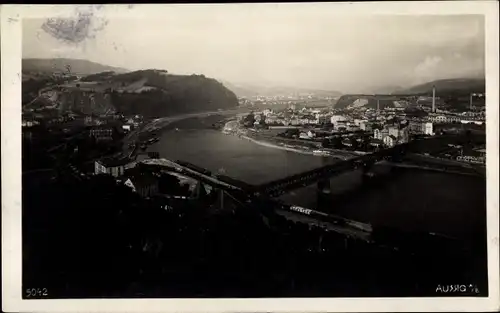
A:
(140, 177)
(112, 162)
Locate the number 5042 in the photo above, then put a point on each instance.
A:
(36, 292)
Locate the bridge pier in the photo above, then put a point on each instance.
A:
(324, 194)
(220, 202)
(199, 191)
(367, 169)
(324, 186)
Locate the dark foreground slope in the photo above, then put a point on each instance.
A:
(113, 243)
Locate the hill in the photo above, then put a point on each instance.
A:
(80, 67)
(369, 101)
(156, 93)
(151, 93)
(460, 86)
(454, 90)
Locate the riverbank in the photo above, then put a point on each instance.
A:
(275, 146)
(235, 130)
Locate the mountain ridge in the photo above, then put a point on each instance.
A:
(77, 66)
(454, 87)
(451, 85)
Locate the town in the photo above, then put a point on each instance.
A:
(361, 129)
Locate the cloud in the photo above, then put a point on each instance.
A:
(428, 66)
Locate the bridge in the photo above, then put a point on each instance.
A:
(263, 196)
(245, 196)
(182, 169)
(278, 187)
(365, 162)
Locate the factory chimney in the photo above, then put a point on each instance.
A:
(378, 105)
(433, 98)
(470, 101)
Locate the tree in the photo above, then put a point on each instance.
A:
(249, 120)
(262, 120)
(337, 142)
(169, 184)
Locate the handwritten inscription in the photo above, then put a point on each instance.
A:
(457, 288)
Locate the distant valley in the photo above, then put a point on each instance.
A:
(249, 90)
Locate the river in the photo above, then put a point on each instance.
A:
(413, 199)
(238, 158)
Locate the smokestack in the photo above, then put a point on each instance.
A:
(433, 98)
(470, 102)
(378, 104)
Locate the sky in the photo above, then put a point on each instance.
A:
(285, 47)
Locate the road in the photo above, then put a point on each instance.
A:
(186, 171)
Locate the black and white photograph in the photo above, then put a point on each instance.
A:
(253, 151)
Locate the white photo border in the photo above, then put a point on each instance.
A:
(11, 25)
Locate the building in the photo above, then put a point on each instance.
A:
(390, 141)
(376, 143)
(415, 127)
(403, 135)
(347, 142)
(321, 119)
(365, 126)
(380, 134)
(340, 126)
(393, 131)
(311, 134)
(428, 129)
(88, 120)
(28, 123)
(444, 118)
(419, 128)
(337, 118)
(303, 135)
(267, 112)
(471, 159)
(481, 152)
(112, 166)
(102, 132)
(144, 184)
(352, 128)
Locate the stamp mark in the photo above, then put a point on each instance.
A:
(85, 25)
